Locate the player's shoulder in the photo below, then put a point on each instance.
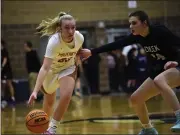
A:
(54, 39)
(79, 36)
(158, 28)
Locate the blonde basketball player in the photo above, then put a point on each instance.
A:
(59, 66)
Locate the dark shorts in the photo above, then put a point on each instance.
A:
(153, 73)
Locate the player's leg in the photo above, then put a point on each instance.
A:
(137, 101)
(169, 78)
(63, 103)
(11, 88)
(48, 102)
(3, 86)
(49, 88)
(66, 93)
(165, 82)
(9, 78)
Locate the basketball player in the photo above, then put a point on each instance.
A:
(59, 66)
(161, 47)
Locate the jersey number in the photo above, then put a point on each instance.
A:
(64, 59)
(158, 56)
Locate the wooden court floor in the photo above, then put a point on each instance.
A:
(92, 115)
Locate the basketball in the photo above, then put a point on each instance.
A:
(37, 121)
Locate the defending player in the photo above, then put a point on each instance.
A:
(161, 47)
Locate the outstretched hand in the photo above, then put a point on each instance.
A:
(85, 54)
(170, 64)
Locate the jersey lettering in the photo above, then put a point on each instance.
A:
(153, 48)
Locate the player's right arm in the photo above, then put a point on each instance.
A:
(42, 73)
(48, 59)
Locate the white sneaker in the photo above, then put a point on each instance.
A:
(50, 131)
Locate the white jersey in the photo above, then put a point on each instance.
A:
(62, 53)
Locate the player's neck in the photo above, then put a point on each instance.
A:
(66, 40)
(69, 41)
(145, 32)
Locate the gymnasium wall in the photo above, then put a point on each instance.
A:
(20, 18)
(32, 12)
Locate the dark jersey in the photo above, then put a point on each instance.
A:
(160, 44)
(4, 54)
(32, 62)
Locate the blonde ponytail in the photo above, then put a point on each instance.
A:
(50, 26)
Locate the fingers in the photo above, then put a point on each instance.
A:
(165, 66)
(175, 63)
(30, 104)
(84, 54)
(82, 51)
(31, 100)
(170, 65)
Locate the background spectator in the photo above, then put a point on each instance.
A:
(33, 64)
(6, 71)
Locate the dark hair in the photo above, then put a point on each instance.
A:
(29, 44)
(142, 16)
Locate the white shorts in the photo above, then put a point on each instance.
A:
(51, 82)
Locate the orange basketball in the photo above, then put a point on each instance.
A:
(37, 121)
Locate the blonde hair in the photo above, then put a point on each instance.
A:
(51, 26)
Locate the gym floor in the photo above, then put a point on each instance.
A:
(94, 115)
